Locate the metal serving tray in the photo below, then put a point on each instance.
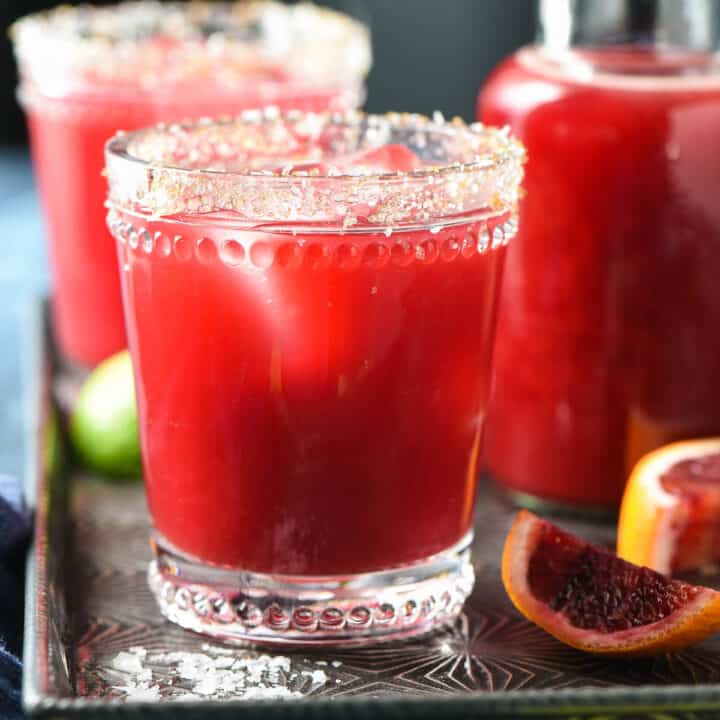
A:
(87, 602)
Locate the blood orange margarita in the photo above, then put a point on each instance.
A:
(310, 304)
(87, 72)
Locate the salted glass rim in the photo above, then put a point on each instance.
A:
(56, 48)
(481, 171)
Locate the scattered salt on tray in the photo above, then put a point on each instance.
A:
(128, 662)
(318, 677)
(141, 692)
(221, 673)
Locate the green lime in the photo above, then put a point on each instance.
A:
(104, 424)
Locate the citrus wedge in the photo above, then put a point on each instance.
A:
(670, 513)
(594, 601)
(104, 423)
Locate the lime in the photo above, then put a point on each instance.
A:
(104, 424)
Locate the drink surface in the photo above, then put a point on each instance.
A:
(606, 345)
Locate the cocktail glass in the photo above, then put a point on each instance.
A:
(87, 72)
(310, 302)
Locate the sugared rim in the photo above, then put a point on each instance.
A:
(256, 164)
(153, 45)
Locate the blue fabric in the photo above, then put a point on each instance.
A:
(23, 274)
(14, 534)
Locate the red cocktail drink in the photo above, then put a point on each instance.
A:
(311, 325)
(88, 72)
(607, 341)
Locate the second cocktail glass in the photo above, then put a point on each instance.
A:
(310, 302)
(87, 72)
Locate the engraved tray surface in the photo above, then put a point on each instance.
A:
(87, 601)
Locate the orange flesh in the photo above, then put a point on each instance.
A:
(595, 590)
(694, 475)
(696, 481)
(591, 600)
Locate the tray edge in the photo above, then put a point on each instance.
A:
(34, 379)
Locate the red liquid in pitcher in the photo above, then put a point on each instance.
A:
(608, 342)
(310, 403)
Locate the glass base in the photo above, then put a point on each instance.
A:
(234, 605)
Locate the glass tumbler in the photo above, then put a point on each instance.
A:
(310, 302)
(87, 72)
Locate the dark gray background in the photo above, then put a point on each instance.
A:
(429, 54)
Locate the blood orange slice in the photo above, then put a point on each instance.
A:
(592, 600)
(670, 513)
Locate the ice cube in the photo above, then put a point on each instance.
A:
(385, 159)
